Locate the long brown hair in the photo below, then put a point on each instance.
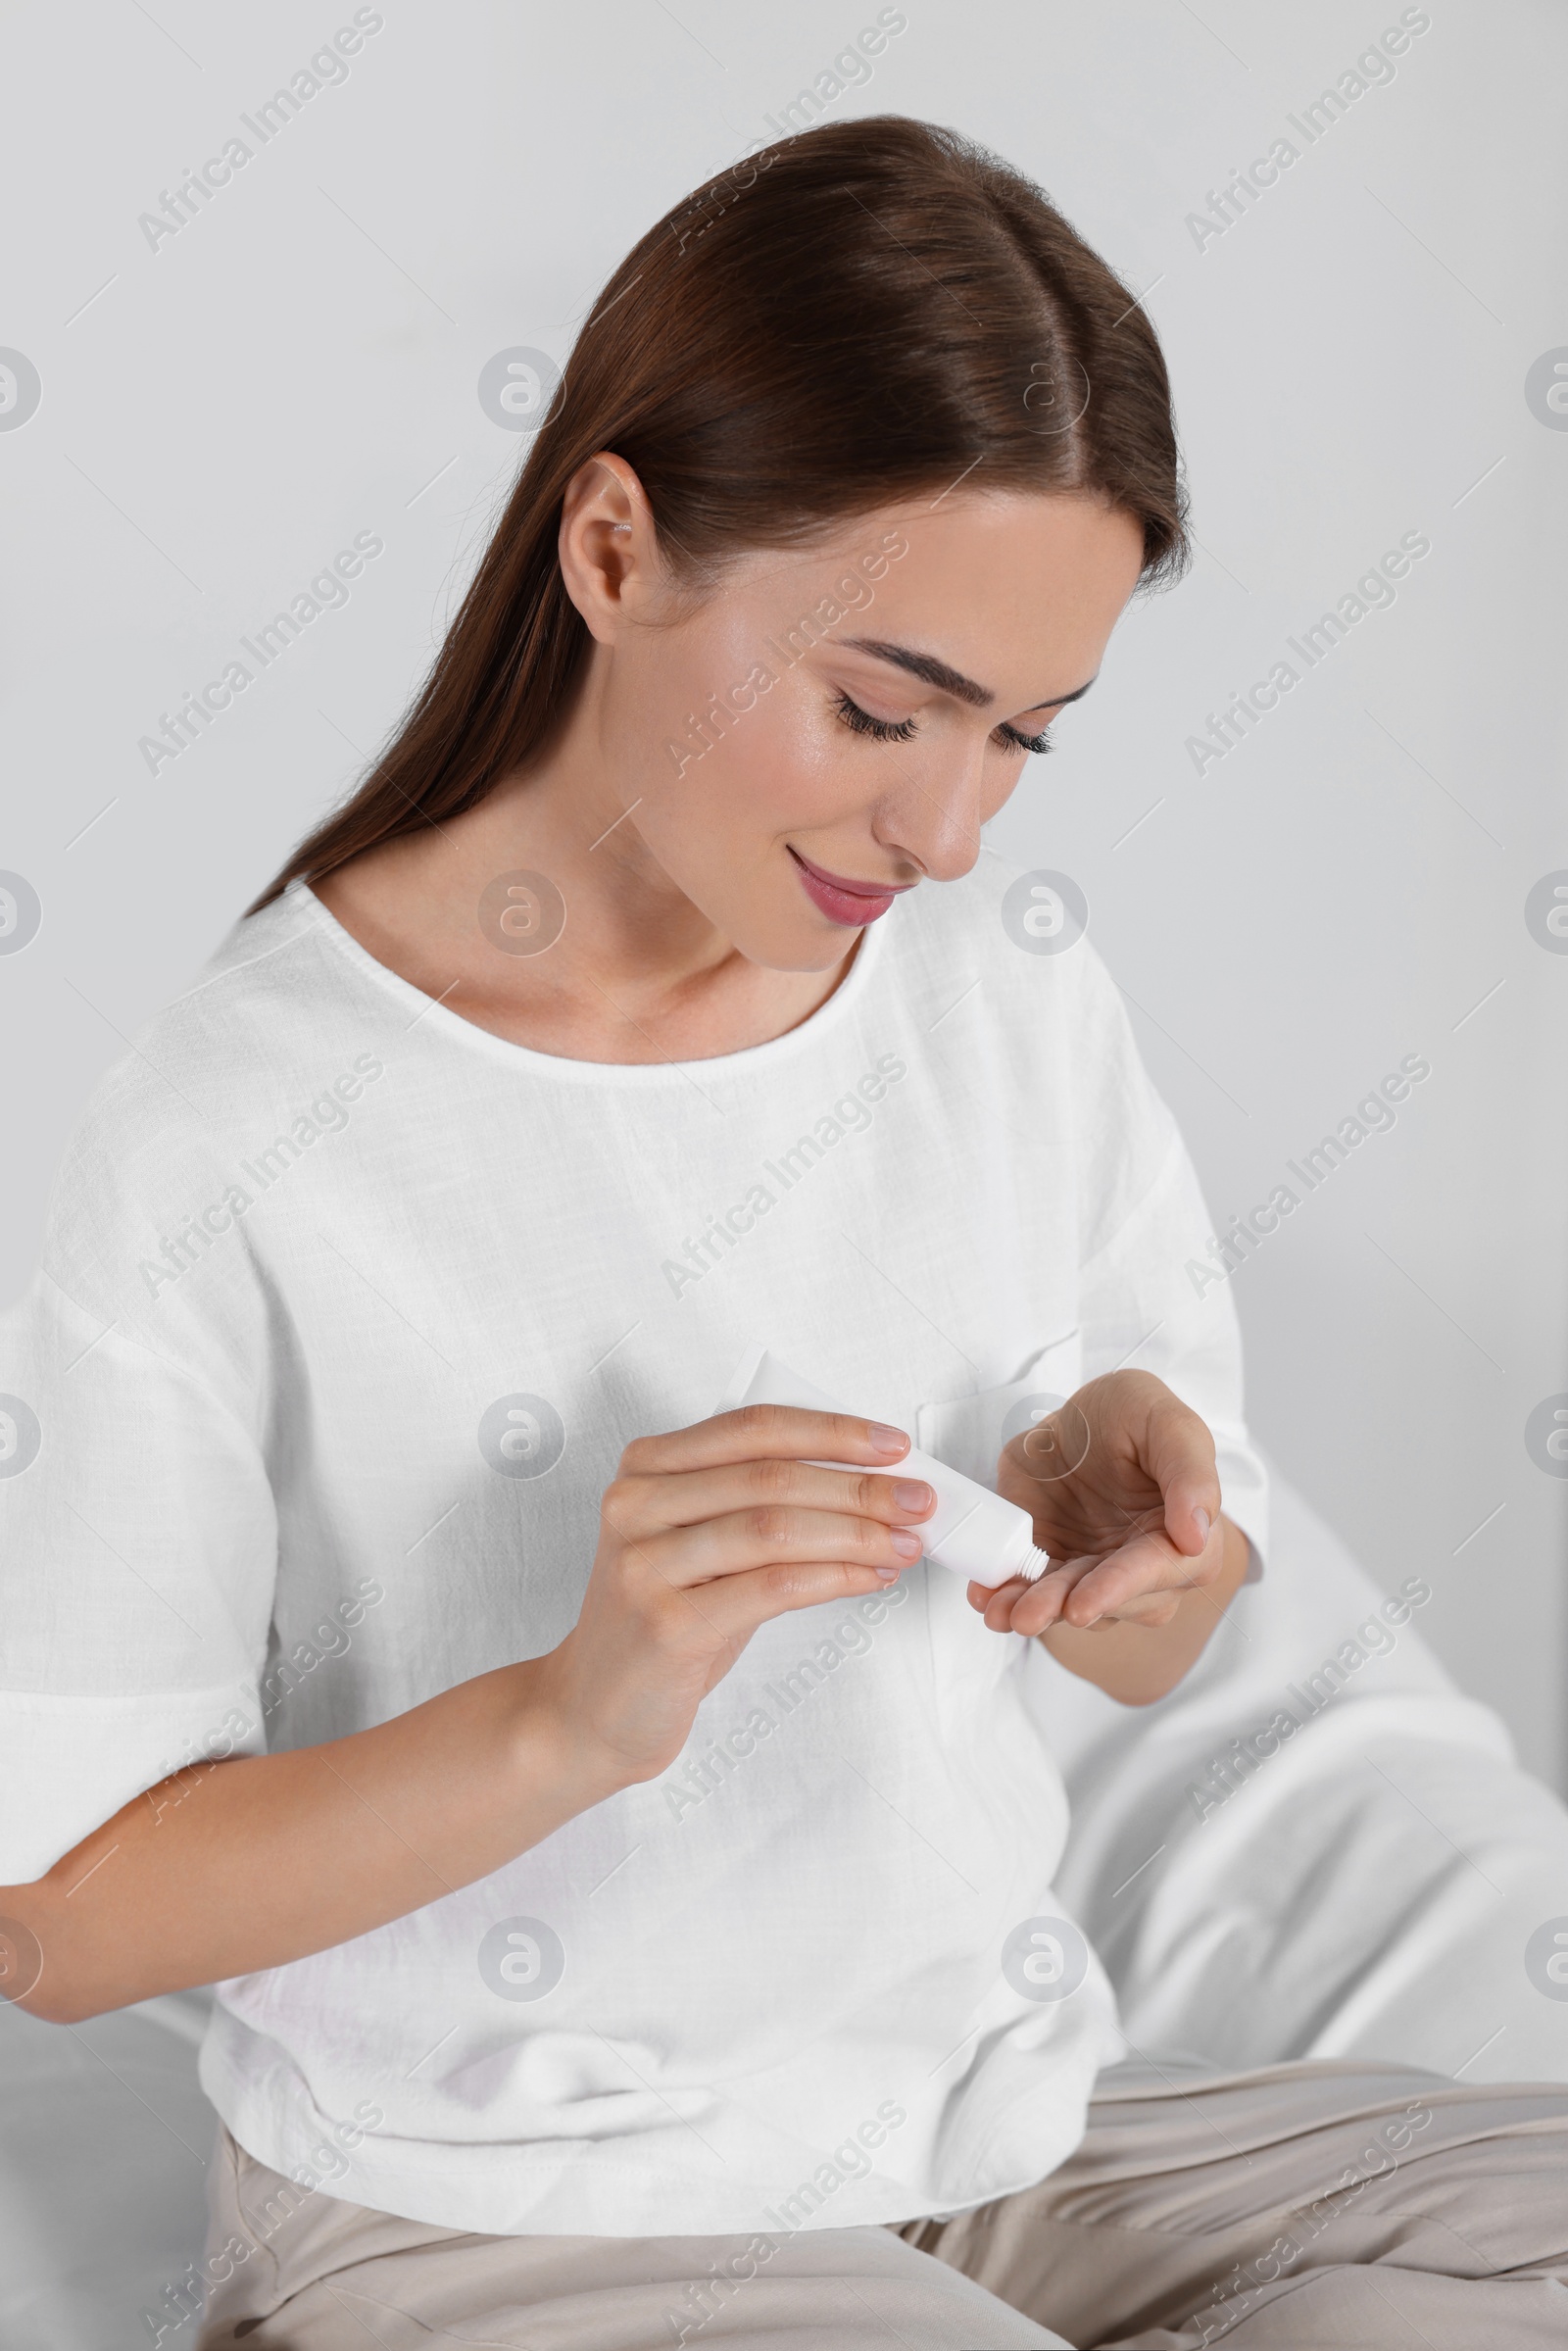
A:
(863, 311)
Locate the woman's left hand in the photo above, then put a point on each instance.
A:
(1123, 1490)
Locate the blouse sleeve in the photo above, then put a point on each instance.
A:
(137, 1561)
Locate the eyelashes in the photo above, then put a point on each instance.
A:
(861, 722)
(903, 730)
(1039, 744)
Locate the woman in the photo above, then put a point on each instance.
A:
(626, 1869)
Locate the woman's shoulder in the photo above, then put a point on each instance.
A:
(256, 1003)
(265, 1023)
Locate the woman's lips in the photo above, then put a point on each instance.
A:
(841, 900)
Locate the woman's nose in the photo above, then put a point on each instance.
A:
(936, 818)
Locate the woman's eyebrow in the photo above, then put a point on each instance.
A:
(941, 674)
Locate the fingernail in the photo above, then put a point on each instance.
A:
(885, 1440)
(887, 1575)
(911, 1494)
(908, 1545)
(1203, 1522)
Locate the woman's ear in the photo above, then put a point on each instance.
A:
(608, 545)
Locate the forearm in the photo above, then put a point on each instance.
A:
(244, 1864)
(1137, 1664)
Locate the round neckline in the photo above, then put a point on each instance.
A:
(441, 1020)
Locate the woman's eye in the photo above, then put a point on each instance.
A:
(881, 730)
(1011, 740)
(902, 730)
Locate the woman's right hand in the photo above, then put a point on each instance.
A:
(228, 1867)
(706, 1534)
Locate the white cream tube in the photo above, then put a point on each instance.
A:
(973, 1532)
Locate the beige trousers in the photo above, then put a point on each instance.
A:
(1289, 2208)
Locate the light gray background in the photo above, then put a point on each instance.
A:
(300, 363)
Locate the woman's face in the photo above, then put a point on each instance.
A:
(847, 713)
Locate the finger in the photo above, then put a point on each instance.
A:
(1030, 1612)
(758, 1431)
(1181, 1457)
(994, 1602)
(1155, 1609)
(731, 1608)
(1046, 1595)
(639, 1507)
(773, 1534)
(1000, 1604)
(1022, 1607)
(1150, 1563)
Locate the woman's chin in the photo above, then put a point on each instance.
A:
(815, 945)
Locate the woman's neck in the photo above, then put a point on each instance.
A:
(630, 970)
